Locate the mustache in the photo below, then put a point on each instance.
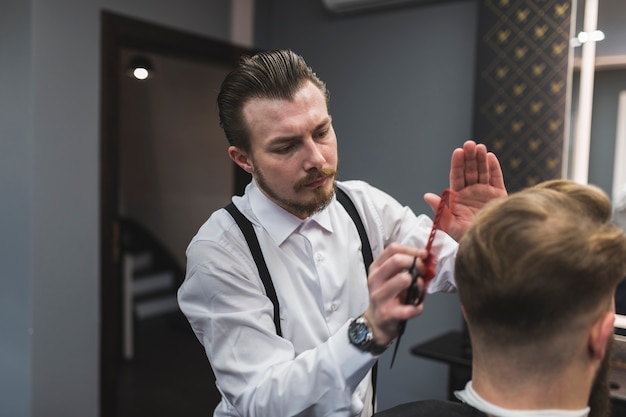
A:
(314, 176)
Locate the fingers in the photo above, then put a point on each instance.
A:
(482, 168)
(457, 170)
(389, 273)
(388, 281)
(432, 200)
(496, 178)
(392, 250)
(472, 165)
(395, 259)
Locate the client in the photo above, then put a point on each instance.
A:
(536, 276)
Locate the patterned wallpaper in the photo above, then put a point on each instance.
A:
(521, 84)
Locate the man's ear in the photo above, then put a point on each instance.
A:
(601, 330)
(241, 158)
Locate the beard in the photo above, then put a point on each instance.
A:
(600, 396)
(301, 208)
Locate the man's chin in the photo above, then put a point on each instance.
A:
(318, 202)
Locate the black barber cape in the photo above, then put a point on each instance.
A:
(432, 408)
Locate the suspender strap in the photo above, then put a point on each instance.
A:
(366, 249)
(253, 243)
(368, 258)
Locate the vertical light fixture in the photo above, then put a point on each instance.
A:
(619, 167)
(582, 135)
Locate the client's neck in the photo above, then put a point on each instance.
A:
(503, 385)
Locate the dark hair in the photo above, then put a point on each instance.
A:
(277, 74)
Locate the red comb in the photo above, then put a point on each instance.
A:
(441, 222)
(415, 293)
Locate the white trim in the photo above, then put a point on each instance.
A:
(570, 119)
(620, 321)
(582, 133)
(605, 62)
(619, 167)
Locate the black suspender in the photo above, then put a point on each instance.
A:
(253, 243)
(366, 250)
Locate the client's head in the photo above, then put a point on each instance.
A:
(536, 275)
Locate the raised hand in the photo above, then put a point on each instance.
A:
(476, 178)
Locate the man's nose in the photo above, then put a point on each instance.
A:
(314, 156)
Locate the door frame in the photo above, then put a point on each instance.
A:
(117, 32)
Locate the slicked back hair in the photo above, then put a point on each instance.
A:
(277, 74)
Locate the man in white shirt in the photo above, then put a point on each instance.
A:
(334, 317)
(536, 275)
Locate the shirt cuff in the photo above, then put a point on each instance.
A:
(354, 364)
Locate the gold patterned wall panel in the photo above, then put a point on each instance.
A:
(521, 84)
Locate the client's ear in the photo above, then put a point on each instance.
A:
(601, 331)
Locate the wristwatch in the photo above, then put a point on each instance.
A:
(361, 336)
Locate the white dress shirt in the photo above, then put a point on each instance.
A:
(317, 270)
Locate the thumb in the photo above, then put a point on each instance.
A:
(432, 200)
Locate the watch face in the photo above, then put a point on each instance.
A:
(358, 332)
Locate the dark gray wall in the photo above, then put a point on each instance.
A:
(401, 83)
(49, 240)
(15, 196)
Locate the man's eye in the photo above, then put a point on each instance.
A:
(322, 133)
(284, 149)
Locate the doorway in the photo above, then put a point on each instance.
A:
(151, 171)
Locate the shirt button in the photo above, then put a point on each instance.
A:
(319, 257)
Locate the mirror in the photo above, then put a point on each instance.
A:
(604, 161)
(593, 152)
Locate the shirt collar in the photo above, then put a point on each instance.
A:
(471, 397)
(278, 222)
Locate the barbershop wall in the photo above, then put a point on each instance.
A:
(49, 156)
(401, 84)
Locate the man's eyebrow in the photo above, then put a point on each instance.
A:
(323, 124)
(278, 140)
(327, 120)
